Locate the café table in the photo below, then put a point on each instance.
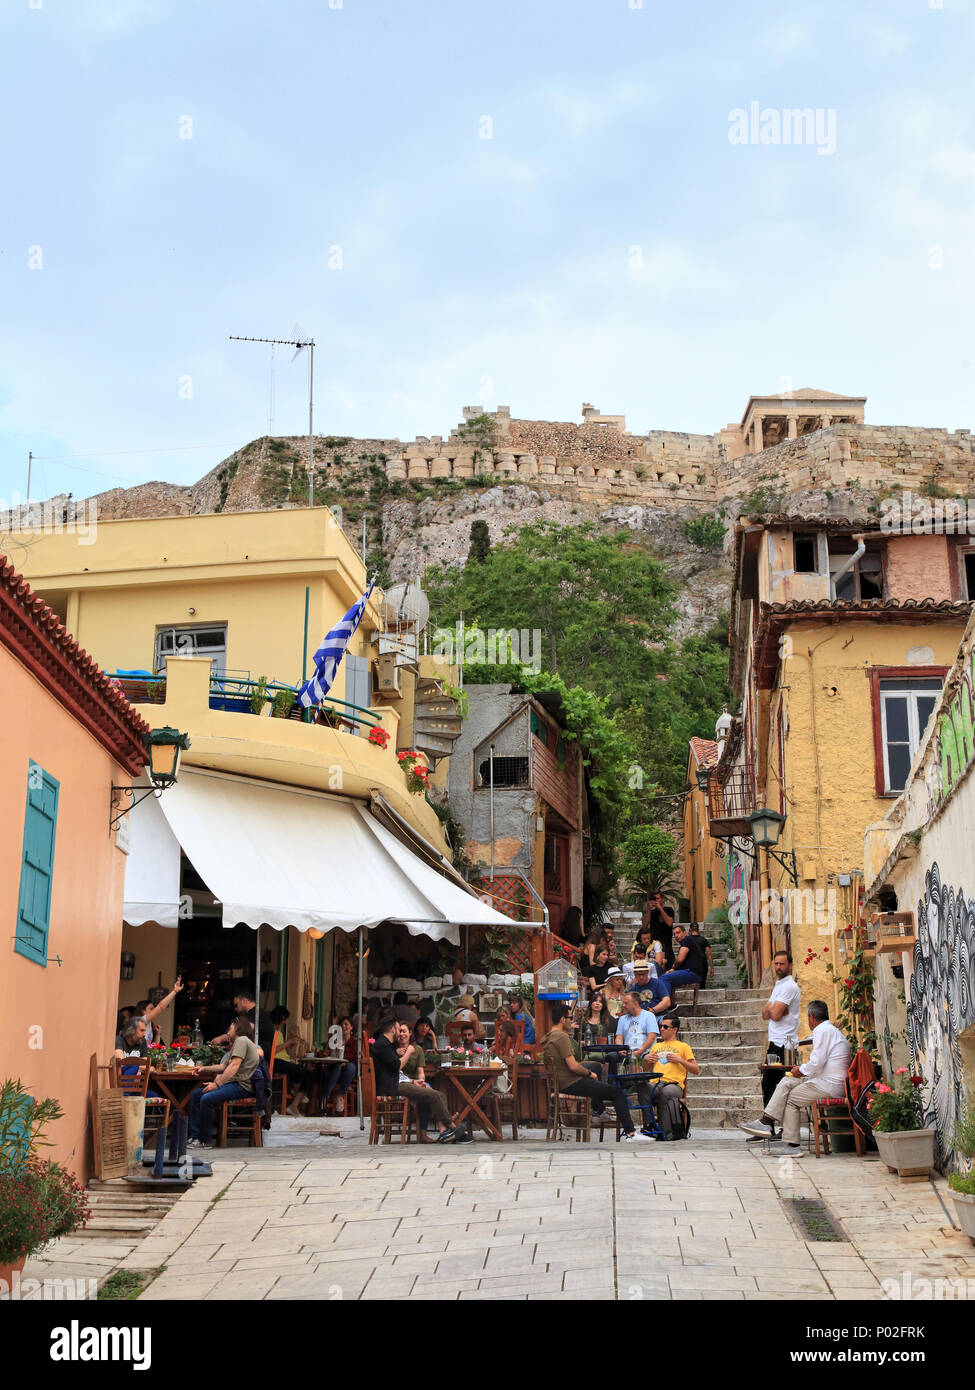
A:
(469, 1085)
(311, 1059)
(176, 1085)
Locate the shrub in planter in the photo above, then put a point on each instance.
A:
(39, 1201)
(963, 1184)
(903, 1142)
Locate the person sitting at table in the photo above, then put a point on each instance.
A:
(597, 1024)
(824, 1075)
(387, 1064)
(235, 1081)
(691, 963)
(468, 1041)
(573, 1078)
(424, 1036)
(518, 1014)
(131, 1041)
(636, 1029)
(675, 1060)
(284, 1064)
(465, 1013)
(652, 949)
(654, 994)
(341, 1075)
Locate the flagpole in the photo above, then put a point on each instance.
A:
(311, 435)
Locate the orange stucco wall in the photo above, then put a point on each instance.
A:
(52, 1019)
(918, 567)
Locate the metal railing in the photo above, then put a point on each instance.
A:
(235, 694)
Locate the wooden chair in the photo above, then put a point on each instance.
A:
(566, 1112)
(832, 1108)
(280, 1080)
(137, 1084)
(387, 1111)
(504, 1104)
(240, 1117)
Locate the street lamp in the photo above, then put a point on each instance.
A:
(766, 827)
(165, 748)
(702, 778)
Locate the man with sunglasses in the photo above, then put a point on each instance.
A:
(674, 1059)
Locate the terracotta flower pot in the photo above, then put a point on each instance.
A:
(907, 1152)
(965, 1211)
(9, 1274)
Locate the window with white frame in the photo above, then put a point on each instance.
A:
(905, 707)
(194, 640)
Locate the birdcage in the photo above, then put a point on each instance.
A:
(557, 979)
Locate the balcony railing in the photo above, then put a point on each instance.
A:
(731, 802)
(237, 694)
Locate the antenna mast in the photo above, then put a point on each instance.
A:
(299, 343)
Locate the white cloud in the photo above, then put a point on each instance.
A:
(586, 111)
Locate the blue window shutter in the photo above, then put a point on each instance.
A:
(37, 865)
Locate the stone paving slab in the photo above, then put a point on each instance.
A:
(307, 1220)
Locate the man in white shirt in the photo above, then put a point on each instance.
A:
(823, 1076)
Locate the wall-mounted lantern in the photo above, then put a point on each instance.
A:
(165, 749)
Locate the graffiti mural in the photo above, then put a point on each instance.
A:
(942, 1001)
(954, 738)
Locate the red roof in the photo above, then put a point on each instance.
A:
(35, 635)
(705, 750)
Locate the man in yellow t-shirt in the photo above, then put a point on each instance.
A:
(673, 1059)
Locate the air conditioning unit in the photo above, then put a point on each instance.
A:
(390, 675)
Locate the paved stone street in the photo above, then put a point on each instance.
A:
(332, 1218)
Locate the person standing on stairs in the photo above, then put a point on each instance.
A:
(782, 1015)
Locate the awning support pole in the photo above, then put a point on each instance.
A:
(362, 1034)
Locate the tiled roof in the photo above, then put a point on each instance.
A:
(34, 633)
(705, 751)
(774, 617)
(852, 607)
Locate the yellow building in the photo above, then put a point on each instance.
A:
(840, 640)
(190, 612)
(704, 857)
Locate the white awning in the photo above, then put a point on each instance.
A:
(292, 857)
(151, 867)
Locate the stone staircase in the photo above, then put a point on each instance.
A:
(729, 1039)
(727, 1034)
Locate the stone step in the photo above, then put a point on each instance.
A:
(714, 1117)
(747, 1086)
(724, 1008)
(697, 1025)
(730, 1049)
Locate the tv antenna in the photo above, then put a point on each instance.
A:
(299, 342)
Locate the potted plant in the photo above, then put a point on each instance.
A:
(258, 696)
(282, 704)
(963, 1184)
(39, 1200)
(903, 1142)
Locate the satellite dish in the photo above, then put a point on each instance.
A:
(406, 603)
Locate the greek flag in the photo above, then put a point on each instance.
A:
(331, 652)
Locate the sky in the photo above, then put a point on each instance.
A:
(532, 203)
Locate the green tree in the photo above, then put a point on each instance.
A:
(480, 547)
(601, 604)
(648, 859)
